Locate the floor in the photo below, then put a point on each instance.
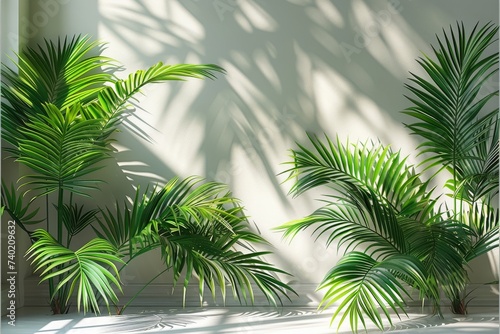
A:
(236, 320)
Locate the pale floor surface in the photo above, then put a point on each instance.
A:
(239, 320)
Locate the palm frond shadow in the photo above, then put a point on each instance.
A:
(435, 322)
(139, 322)
(251, 123)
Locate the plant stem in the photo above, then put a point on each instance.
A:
(51, 280)
(142, 289)
(60, 201)
(47, 210)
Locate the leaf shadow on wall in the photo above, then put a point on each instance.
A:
(295, 66)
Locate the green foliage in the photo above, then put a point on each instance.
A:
(86, 269)
(62, 73)
(201, 230)
(63, 105)
(14, 206)
(60, 149)
(396, 236)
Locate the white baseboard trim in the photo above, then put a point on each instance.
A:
(168, 295)
(165, 295)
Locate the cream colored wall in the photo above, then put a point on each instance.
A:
(9, 32)
(335, 67)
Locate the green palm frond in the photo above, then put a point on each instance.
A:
(62, 105)
(381, 210)
(125, 226)
(215, 263)
(15, 206)
(449, 107)
(177, 203)
(61, 149)
(62, 74)
(75, 219)
(483, 244)
(358, 220)
(380, 205)
(351, 166)
(21, 212)
(360, 285)
(439, 249)
(202, 232)
(185, 220)
(112, 102)
(483, 220)
(460, 131)
(478, 178)
(84, 270)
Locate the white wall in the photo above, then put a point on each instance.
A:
(293, 66)
(9, 30)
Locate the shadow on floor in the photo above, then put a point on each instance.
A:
(235, 320)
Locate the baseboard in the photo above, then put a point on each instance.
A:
(476, 295)
(166, 295)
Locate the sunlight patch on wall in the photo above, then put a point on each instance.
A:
(331, 92)
(121, 45)
(494, 258)
(267, 69)
(330, 12)
(240, 59)
(243, 22)
(304, 68)
(180, 150)
(185, 25)
(325, 14)
(327, 41)
(145, 23)
(404, 49)
(257, 16)
(244, 87)
(379, 33)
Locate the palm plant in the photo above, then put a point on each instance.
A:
(61, 108)
(398, 233)
(200, 229)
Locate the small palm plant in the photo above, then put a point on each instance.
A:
(61, 108)
(399, 233)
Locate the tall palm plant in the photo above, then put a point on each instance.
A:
(399, 234)
(62, 106)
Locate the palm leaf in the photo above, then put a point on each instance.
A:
(178, 202)
(84, 270)
(476, 179)
(18, 210)
(439, 248)
(61, 73)
(215, 263)
(202, 231)
(361, 285)
(448, 106)
(358, 220)
(112, 102)
(61, 149)
(126, 227)
(460, 133)
(483, 221)
(346, 167)
(75, 219)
